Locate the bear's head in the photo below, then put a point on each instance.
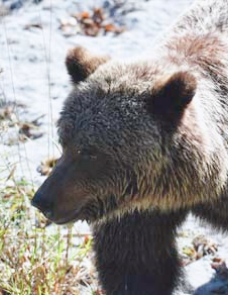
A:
(130, 139)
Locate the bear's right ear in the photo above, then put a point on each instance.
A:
(81, 63)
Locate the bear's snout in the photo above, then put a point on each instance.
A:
(60, 197)
(41, 203)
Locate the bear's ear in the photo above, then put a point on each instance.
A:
(171, 94)
(81, 63)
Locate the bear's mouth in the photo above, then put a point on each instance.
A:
(64, 217)
(89, 211)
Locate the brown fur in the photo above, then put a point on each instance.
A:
(145, 143)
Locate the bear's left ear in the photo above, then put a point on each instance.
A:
(171, 94)
(81, 63)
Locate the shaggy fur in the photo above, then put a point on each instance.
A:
(143, 144)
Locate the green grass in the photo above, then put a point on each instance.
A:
(37, 258)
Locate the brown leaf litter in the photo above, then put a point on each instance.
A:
(90, 24)
(201, 246)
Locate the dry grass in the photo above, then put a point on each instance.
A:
(37, 258)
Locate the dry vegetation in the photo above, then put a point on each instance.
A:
(36, 257)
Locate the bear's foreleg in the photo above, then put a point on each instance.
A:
(136, 254)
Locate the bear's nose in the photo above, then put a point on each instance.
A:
(42, 204)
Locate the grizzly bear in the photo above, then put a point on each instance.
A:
(145, 143)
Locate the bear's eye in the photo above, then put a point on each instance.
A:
(87, 154)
